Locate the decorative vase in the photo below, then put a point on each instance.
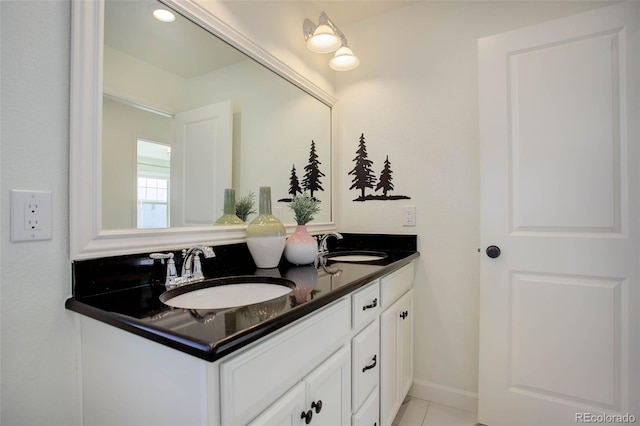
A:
(266, 235)
(229, 216)
(301, 248)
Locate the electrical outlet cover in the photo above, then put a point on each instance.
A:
(30, 215)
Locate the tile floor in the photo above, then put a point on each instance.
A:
(418, 412)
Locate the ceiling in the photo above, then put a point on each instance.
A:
(345, 12)
(182, 48)
(187, 50)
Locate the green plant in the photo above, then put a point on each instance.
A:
(304, 207)
(244, 206)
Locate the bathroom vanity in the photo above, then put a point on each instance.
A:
(337, 350)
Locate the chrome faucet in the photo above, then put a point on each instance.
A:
(323, 241)
(191, 267)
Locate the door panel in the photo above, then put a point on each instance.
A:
(577, 344)
(559, 158)
(546, 84)
(201, 164)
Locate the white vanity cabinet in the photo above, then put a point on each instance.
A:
(396, 341)
(321, 399)
(349, 362)
(264, 374)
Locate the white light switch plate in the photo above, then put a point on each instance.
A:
(30, 215)
(409, 216)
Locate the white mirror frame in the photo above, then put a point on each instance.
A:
(87, 238)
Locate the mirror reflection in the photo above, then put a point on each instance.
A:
(185, 116)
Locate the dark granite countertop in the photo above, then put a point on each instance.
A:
(124, 292)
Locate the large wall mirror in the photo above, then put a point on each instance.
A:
(165, 116)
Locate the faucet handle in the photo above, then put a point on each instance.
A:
(208, 252)
(172, 275)
(196, 272)
(161, 255)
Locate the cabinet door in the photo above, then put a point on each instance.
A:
(396, 356)
(286, 411)
(328, 391)
(280, 362)
(405, 346)
(365, 370)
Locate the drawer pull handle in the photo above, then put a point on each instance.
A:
(317, 406)
(372, 365)
(373, 305)
(307, 416)
(404, 314)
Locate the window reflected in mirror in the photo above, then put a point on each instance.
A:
(154, 173)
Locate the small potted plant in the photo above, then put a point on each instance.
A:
(244, 206)
(301, 248)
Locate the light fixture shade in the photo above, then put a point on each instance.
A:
(344, 60)
(164, 15)
(323, 40)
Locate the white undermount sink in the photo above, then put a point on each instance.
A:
(226, 293)
(355, 256)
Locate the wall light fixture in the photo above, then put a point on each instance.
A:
(326, 37)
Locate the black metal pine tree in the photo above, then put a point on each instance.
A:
(385, 178)
(311, 181)
(363, 176)
(294, 185)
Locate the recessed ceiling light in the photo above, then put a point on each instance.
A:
(164, 15)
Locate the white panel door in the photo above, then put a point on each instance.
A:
(201, 164)
(559, 307)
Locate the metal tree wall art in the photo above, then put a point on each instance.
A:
(294, 185)
(311, 181)
(384, 182)
(364, 178)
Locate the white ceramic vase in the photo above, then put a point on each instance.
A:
(301, 248)
(265, 234)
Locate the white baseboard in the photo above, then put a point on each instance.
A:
(445, 395)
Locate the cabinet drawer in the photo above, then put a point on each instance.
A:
(367, 415)
(365, 370)
(255, 378)
(396, 284)
(365, 304)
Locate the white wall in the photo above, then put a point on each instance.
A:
(414, 97)
(39, 337)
